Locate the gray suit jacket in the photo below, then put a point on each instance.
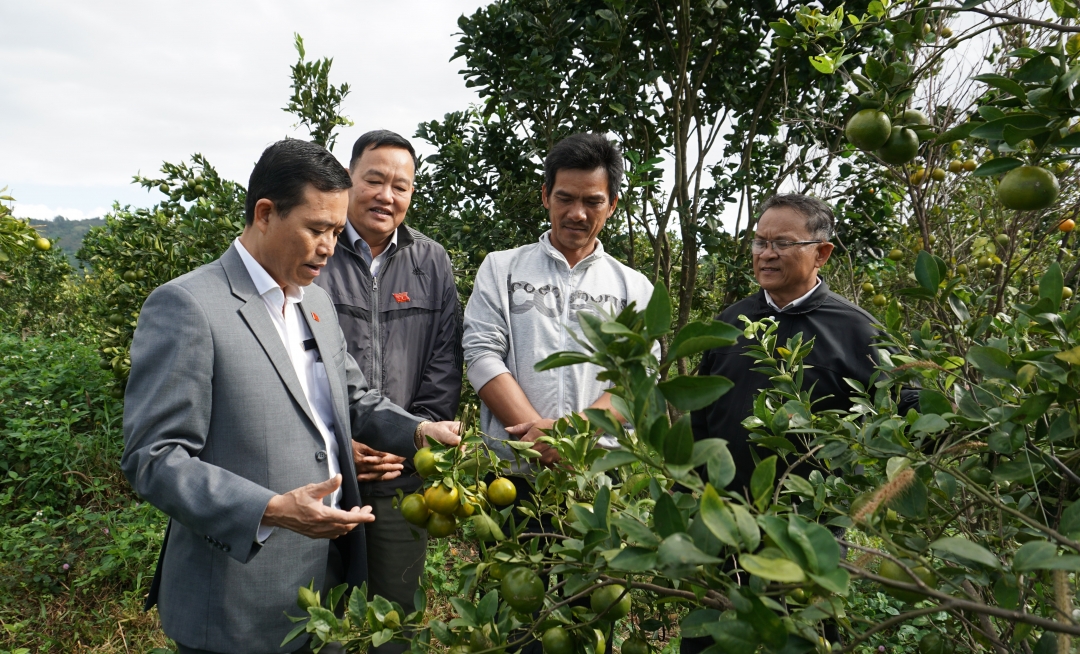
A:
(215, 424)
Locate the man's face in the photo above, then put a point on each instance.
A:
(296, 247)
(381, 192)
(578, 206)
(793, 272)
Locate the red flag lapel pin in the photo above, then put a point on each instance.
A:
(315, 316)
(401, 297)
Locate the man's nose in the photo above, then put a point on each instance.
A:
(385, 193)
(325, 246)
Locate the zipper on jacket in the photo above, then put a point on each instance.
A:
(376, 340)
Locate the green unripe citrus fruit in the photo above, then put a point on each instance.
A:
(441, 499)
(894, 572)
(523, 590)
(439, 525)
(501, 492)
(557, 640)
(1028, 188)
(901, 147)
(414, 509)
(610, 602)
(424, 461)
(868, 129)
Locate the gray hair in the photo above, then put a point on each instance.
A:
(819, 216)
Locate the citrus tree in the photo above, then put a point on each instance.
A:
(970, 506)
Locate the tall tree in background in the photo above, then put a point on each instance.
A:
(695, 84)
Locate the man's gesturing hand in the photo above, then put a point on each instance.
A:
(301, 510)
(373, 465)
(446, 432)
(530, 431)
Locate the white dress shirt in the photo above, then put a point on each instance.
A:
(363, 249)
(794, 303)
(284, 309)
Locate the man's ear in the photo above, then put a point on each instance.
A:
(264, 208)
(614, 205)
(544, 196)
(824, 251)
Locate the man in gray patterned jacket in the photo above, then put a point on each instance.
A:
(525, 300)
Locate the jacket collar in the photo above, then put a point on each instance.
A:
(404, 239)
(596, 255)
(816, 299)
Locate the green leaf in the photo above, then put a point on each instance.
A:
(996, 167)
(679, 442)
(692, 393)
(783, 29)
(488, 607)
(930, 423)
(958, 133)
(1034, 407)
(634, 559)
(720, 466)
(966, 550)
(1051, 283)
(1070, 141)
(776, 568)
(926, 271)
(766, 623)
(1003, 83)
(748, 529)
(733, 637)
(678, 550)
(700, 336)
(958, 307)
(931, 401)
(718, 518)
(994, 130)
(382, 637)
(835, 580)
(561, 359)
(658, 312)
(1034, 555)
(991, 361)
(695, 624)
(817, 543)
(1070, 521)
(761, 482)
(667, 519)
(613, 459)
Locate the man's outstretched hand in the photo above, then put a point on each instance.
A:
(446, 432)
(373, 465)
(530, 431)
(301, 510)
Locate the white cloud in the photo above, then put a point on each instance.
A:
(43, 212)
(92, 93)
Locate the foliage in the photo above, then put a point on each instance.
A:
(16, 236)
(75, 547)
(139, 249)
(315, 101)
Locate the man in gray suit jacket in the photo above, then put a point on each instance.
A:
(239, 415)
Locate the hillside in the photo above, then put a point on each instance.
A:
(67, 234)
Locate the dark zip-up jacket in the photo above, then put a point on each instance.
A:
(843, 348)
(404, 330)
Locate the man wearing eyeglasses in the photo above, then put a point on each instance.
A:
(791, 246)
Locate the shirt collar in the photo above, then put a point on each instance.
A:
(794, 303)
(264, 283)
(352, 236)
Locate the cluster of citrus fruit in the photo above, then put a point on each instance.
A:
(444, 502)
(896, 141)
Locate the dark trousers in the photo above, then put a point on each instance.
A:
(395, 560)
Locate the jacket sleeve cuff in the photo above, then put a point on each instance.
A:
(484, 369)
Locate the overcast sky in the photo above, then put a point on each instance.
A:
(93, 92)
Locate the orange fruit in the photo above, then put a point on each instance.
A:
(414, 509)
(523, 590)
(901, 147)
(441, 499)
(439, 525)
(502, 492)
(1067, 225)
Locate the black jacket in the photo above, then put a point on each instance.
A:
(404, 330)
(843, 348)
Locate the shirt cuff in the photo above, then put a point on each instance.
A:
(484, 369)
(263, 533)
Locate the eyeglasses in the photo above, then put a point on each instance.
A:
(759, 245)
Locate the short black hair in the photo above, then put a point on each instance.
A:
(284, 171)
(819, 215)
(585, 152)
(378, 138)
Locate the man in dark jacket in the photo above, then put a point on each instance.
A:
(791, 245)
(398, 306)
